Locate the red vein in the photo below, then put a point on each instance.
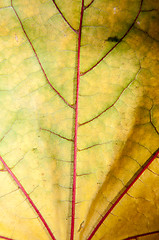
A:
(101, 112)
(6, 238)
(76, 126)
(141, 235)
(150, 160)
(94, 145)
(111, 104)
(85, 7)
(64, 17)
(28, 198)
(117, 42)
(38, 57)
(68, 139)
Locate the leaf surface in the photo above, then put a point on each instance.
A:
(79, 128)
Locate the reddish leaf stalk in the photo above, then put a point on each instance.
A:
(28, 198)
(123, 193)
(76, 127)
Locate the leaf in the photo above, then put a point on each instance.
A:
(79, 128)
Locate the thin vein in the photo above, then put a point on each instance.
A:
(38, 57)
(128, 186)
(151, 121)
(5, 7)
(153, 172)
(28, 198)
(141, 30)
(61, 186)
(141, 145)
(85, 7)
(47, 130)
(4, 195)
(94, 145)
(76, 31)
(117, 42)
(7, 132)
(150, 10)
(141, 235)
(81, 124)
(83, 174)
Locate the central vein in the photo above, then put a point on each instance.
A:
(76, 126)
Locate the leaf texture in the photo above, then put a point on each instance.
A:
(79, 122)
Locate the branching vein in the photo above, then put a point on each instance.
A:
(141, 235)
(81, 124)
(37, 56)
(64, 17)
(28, 198)
(116, 43)
(68, 139)
(85, 7)
(131, 182)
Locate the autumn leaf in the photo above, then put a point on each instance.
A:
(79, 122)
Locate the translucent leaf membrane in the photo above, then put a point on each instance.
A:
(42, 58)
(40, 159)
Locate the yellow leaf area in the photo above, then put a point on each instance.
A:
(118, 117)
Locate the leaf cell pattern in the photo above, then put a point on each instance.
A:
(79, 119)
